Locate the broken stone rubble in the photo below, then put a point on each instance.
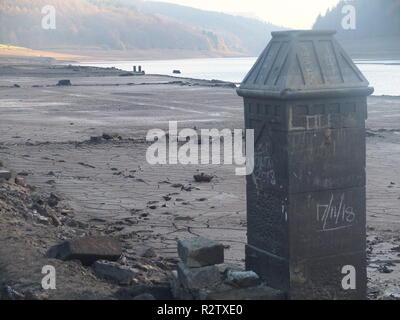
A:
(5, 174)
(200, 252)
(122, 275)
(210, 282)
(87, 249)
(197, 278)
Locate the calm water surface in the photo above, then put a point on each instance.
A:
(384, 75)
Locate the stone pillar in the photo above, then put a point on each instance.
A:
(306, 204)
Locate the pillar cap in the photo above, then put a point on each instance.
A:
(300, 64)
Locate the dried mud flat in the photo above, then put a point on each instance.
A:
(110, 188)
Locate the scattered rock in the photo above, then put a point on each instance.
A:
(384, 269)
(64, 83)
(198, 278)
(87, 249)
(178, 291)
(396, 249)
(95, 139)
(115, 272)
(111, 136)
(200, 252)
(8, 293)
(21, 181)
(243, 279)
(53, 200)
(202, 177)
(5, 174)
(149, 253)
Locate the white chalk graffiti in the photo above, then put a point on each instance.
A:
(263, 166)
(335, 217)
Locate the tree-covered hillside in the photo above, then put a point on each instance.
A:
(129, 25)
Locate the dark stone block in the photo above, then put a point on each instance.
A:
(87, 250)
(64, 83)
(200, 252)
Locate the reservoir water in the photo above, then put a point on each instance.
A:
(384, 75)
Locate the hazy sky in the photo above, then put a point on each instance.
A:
(297, 14)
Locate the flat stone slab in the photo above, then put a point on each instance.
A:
(200, 252)
(87, 249)
(115, 272)
(5, 174)
(198, 278)
(252, 293)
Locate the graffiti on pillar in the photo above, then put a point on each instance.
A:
(264, 172)
(335, 215)
(298, 120)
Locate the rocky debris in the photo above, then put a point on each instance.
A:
(111, 136)
(384, 269)
(207, 281)
(8, 293)
(188, 282)
(64, 82)
(122, 275)
(200, 252)
(87, 249)
(396, 249)
(177, 289)
(53, 200)
(5, 174)
(243, 279)
(149, 253)
(95, 139)
(195, 279)
(177, 185)
(25, 212)
(202, 177)
(16, 196)
(21, 181)
(40, 207)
